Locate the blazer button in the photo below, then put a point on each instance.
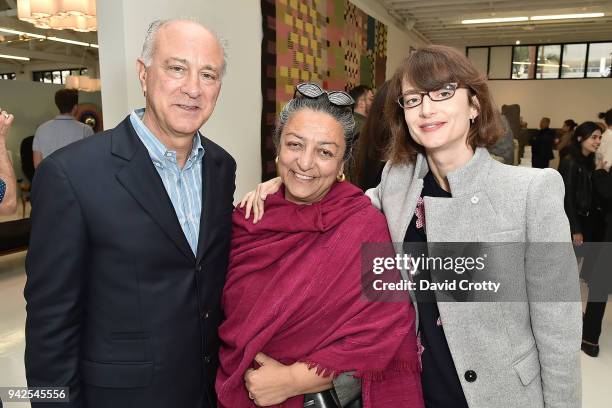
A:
(205, 314)
(199, 268)
(470, 376)
(206, 359)
(474, 200)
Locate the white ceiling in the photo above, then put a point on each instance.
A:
(440, 20)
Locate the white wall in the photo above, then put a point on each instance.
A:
(399, 39)
(235, 123)
(560, 99)
(32, 103)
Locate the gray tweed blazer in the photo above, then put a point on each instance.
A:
(525, 354)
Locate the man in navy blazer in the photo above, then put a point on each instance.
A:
(130, 240)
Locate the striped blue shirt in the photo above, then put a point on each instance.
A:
(184, 186)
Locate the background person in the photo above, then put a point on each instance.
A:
(62, 130)
(8, 185)
(605, 149)
(576, 168)
(363, 96)
(600, 281)
(293, 293)
(567, 130)
(542, 145)
(373, 143)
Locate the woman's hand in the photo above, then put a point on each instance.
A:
(274, 383)
(577, 239)
(255, 199)
(6, 120)
(271, 383)
(600, 164)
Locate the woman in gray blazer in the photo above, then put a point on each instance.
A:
(441, 185)
(481, 354)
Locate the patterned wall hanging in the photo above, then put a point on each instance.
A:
(329, 42)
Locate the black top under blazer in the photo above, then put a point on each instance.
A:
(119, 308)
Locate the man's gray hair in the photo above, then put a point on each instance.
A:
(148, 47)
(343, 115)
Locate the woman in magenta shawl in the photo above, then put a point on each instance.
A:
(296, 317)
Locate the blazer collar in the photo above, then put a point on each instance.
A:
(465, 180)
(151, 195)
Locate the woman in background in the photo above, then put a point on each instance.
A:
(576, 168)
(373, 143)
(566, 137)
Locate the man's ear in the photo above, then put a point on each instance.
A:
(142, 74)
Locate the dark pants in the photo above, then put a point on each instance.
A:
(591, 321)
(539, 162)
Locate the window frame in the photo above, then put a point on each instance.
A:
(537, 51)
(51, 71)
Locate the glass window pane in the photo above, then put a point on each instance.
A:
(83, 71)
(500, 62)
(523, 62)
(549, 57)
(573, 60)
(57, 77)
(48, 77)
(600, 60)
(64, 76)
(479, 57)
(13, 76)
(36, 77)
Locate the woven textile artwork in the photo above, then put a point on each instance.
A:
(329, 42)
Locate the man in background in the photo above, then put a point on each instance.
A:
(363, 96)
(62, 129)
(542, 145)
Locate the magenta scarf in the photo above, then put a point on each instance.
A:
(293, 292)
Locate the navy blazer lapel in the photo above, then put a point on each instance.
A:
(140, 178)
(210, 174)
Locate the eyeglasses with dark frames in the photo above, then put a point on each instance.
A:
(313, 91)
(413, 99)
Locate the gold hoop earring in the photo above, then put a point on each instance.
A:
(276, 160)
(341, 178)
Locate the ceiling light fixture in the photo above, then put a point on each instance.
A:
(77, 15)
(14, 57)
(567, 16)
(495, 20)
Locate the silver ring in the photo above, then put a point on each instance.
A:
(6, 115)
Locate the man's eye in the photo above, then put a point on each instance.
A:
(209, 76)
(176, 68)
